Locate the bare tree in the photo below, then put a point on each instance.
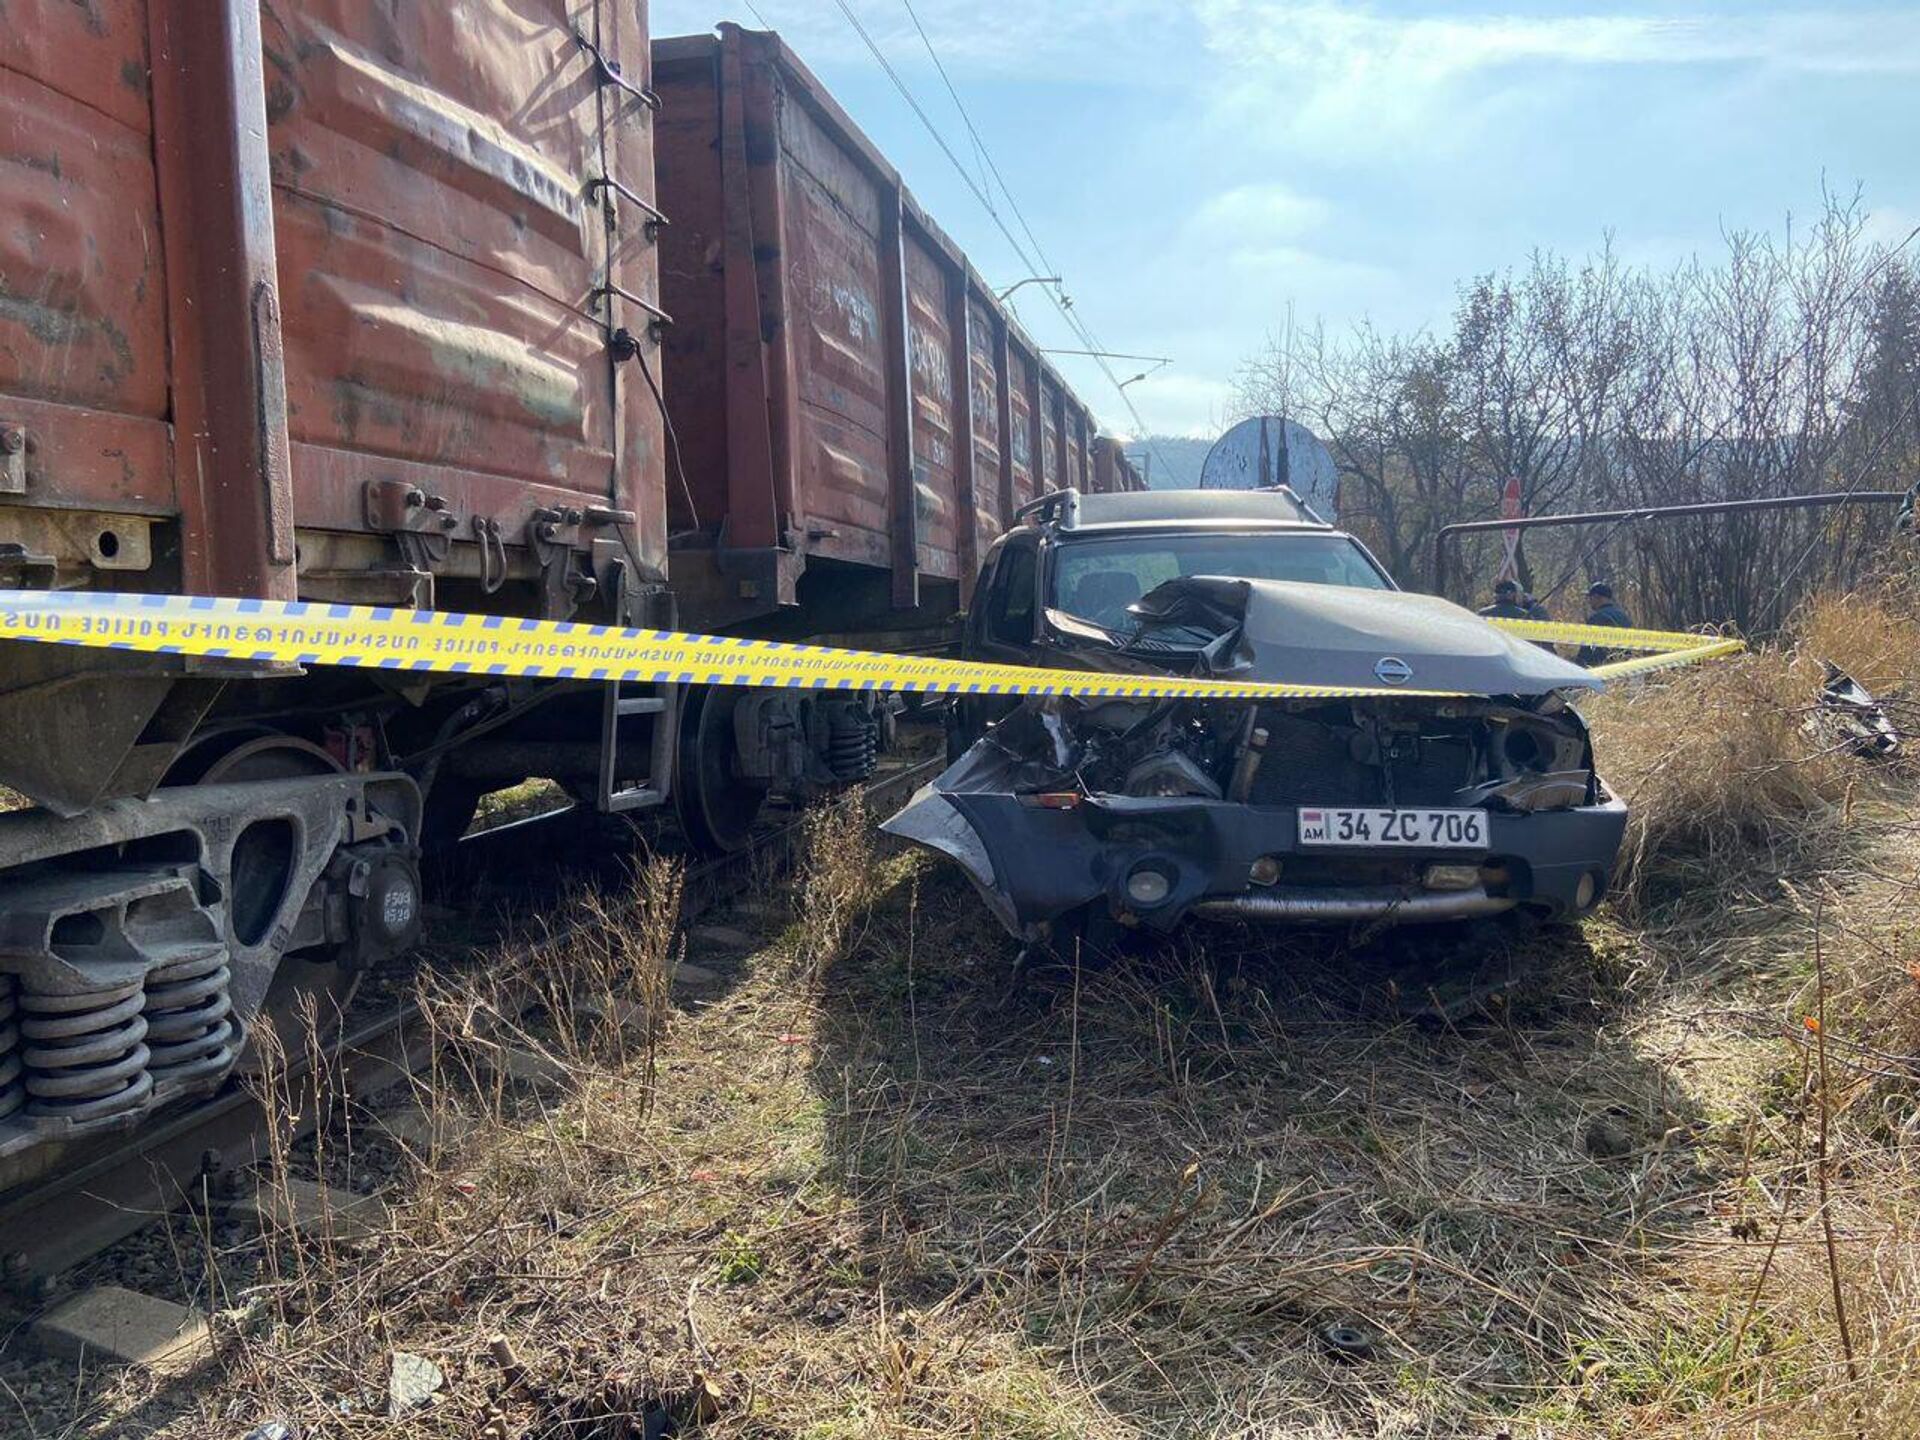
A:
(1788, 364)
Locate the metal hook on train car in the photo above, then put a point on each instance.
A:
(611, 73)
(493, 571)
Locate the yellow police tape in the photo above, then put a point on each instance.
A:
(1672, 648)
(1667, 660)
(315, 633)
(1606, 637)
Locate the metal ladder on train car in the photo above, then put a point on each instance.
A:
(618, 705)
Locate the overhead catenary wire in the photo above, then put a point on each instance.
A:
(979, 146)
(1043, 265)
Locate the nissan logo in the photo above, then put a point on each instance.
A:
(1391, 670)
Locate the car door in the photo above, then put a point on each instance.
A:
(1000, 630)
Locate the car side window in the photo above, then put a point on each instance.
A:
(1010, 607)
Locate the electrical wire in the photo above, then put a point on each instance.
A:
(979, 145)
(673, 440)
(1041, 266)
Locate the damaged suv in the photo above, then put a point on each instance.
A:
(1474, 798)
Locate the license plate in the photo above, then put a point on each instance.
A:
(1395, 829)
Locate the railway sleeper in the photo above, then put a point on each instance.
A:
(140, 942)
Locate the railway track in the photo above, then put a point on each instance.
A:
(197, 1155)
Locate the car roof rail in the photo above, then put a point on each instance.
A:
(1060, 505)
(1300, 500)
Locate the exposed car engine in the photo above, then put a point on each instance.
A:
(1471, 796)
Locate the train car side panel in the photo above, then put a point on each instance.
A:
(1022, 384)
(989, 441)
(1053, 474)
(84, 366)
(444, 258)
(930, 365)
(835, 279)
(856, 403)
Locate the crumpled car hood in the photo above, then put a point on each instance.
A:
(1337, 635)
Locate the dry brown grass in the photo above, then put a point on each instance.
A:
(532, 797)
(908, 1202)
(1874, 636)
(870, 1189)
(1720, 774)
(1722, 767)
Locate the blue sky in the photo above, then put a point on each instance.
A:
(1196, 168)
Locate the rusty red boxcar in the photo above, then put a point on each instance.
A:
(318, 300)
(327, 301)
(856, 411)
(1113, 472)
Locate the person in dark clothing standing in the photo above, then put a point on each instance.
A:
(1602, 609)
(1510, 602)
(1506, 603)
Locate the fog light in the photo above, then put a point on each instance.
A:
(1147, 886)
(1587, 891)
(1452, 877)
(1265, 870)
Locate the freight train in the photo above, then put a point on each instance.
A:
(493, 308)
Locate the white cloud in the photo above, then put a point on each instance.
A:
(1344, 43)
(1002, 37)
(1892, 227)
(1270, 239)
(1260, 213)
(1345, 77)
(1174, 404)
(1336, 42)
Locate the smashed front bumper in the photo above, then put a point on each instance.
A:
(1034, 863)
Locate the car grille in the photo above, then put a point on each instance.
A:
(1311, 763)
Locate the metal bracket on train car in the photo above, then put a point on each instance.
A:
(13, 459)
(656, 218)
(621, 340)
(422, 523)
(611, 73)
(554, 536)
(395, 505)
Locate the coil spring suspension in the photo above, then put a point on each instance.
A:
(85, 1054)
(853, 744)
(13, 1089)
(190, 1028)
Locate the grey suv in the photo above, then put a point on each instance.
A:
(1471, 794)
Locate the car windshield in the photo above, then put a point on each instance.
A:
(1097, 579)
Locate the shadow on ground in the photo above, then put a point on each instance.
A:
(1223, 1187)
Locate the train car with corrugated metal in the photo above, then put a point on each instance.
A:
(328, 301)
(308, 300)
(858, 415)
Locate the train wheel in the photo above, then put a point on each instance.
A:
(247, 752)
(716, 808)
